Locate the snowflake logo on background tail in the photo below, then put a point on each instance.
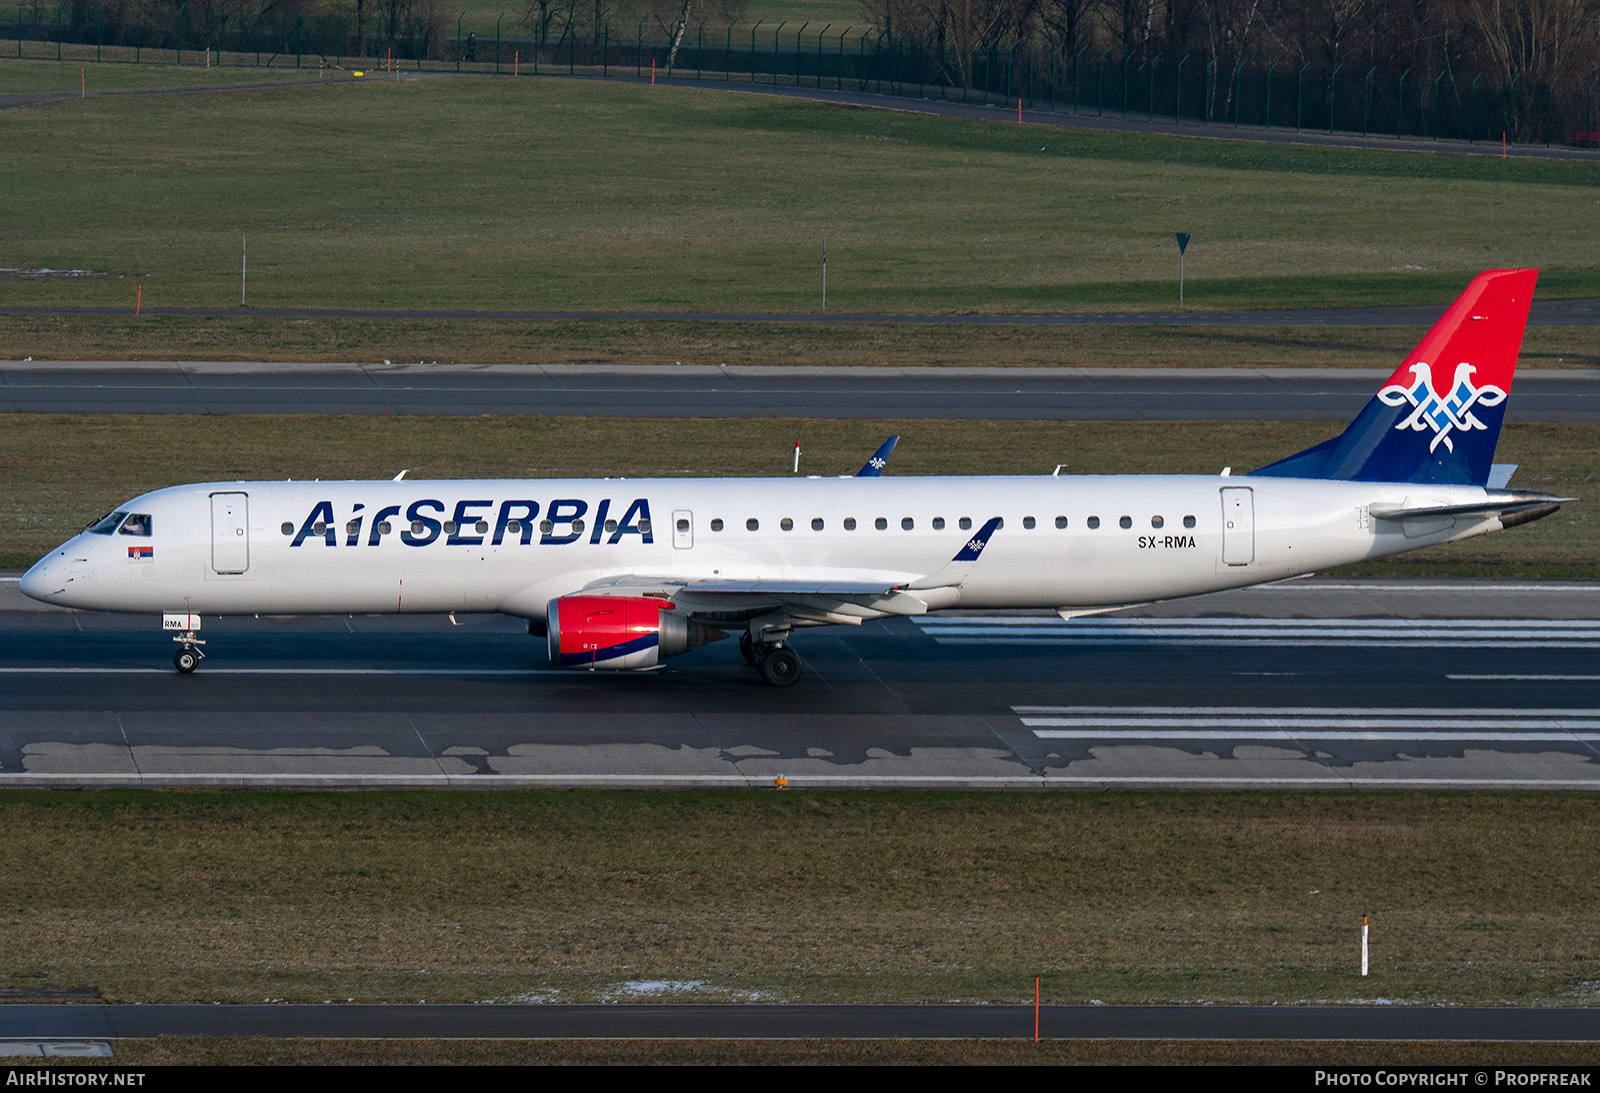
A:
(1442, 414)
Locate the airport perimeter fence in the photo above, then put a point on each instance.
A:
(1189, 90)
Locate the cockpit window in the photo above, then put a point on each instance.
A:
(106, 524)
(137, 523)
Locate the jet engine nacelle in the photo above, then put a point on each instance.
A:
(618, 632)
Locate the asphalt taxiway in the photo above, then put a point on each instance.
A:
(1309, 684)
(1049, 394)
(745, 1021)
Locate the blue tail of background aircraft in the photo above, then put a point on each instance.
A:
(1437, 419)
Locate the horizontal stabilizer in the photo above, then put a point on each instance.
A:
(1501, 503)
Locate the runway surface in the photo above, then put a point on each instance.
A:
(1056, 394)
(739, 1022)
(1313, 684)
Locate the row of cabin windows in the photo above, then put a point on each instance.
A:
(752, 524)
(938, 523)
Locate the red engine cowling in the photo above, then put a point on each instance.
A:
(619, 631)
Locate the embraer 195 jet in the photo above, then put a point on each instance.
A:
(620, 573)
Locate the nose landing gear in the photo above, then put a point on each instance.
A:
(189, 654)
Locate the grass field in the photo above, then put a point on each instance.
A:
(574, 896)
(61, 472)
(492, 193)
(47, 77)
(489, 341)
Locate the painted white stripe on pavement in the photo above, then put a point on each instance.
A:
(1522, 677)
(1004, 622)
(1289, 737)
(1257, 633)
(1287, 724)
(1313, 711)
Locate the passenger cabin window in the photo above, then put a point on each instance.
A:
(752, 524)
(482, 526)
(449, 527)
(907, 523)
(644, 527)
(938, 523)
(1125, 522)
(1156, 521)
(287, 528)
(1028, 522)
(816, 523)
(1094, 522)
(786, 524)
(683, 524)
(107, 524)
(849, 523)
(1188, 521)
(880, 523)
(965, 523)
(137, 523)
(716, 525)
(1061, 521)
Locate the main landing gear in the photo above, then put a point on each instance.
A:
(189, 654)
(778, 664)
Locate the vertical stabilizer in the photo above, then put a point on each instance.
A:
(1438, 417)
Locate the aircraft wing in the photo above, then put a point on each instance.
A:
(846, 596)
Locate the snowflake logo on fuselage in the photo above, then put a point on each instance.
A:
(1454, 411)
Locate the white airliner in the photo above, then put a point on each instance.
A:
(620, 573)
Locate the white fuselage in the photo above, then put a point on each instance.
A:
(1067, 542)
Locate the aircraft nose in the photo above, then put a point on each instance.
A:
(38, 583)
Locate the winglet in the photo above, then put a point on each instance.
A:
(956, 570)
(974, 546)
(873, 467)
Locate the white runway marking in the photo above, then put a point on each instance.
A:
(1429, 724)
(1237, 632)
(1465, 675)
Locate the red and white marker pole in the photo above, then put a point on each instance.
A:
(1363, 946)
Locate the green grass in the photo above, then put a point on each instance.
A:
(1474, 899)
(484, 193)
(63, 471)
(49, 77)
(490, 341)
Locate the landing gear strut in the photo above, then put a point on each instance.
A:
(189, 655)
